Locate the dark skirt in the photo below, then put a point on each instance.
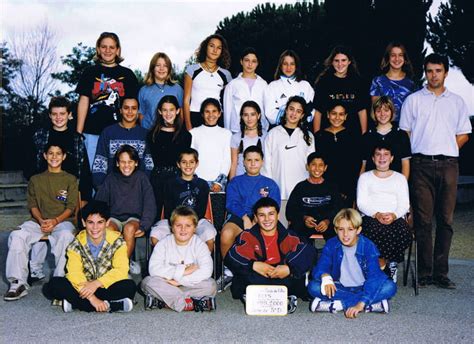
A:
(391, 240)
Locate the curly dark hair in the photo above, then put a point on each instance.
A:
(224, 59)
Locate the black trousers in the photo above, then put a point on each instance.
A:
(239, 284)
(60, 288)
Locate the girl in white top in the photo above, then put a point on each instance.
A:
(288, 82)
(287, 147)
(383, 198)
(247, 86)
(205, 79)
(251, 133)
(213, 144)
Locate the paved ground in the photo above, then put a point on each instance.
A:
(435, 315)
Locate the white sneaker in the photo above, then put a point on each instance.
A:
(135, 268)
(223, 282)
(67, 307)
(393, 268)
(318, 305)
(378, 307)
(37, 275)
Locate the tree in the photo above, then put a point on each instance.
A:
(36, 49)
(450, 34)
(312, 30)
(80, 58)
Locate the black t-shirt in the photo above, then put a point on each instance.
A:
(321, 201)
(350, 91)
(165, 151)
(396, 138)
(105, 86)
(342, 152)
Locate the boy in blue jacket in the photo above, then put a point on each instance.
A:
(348, 276)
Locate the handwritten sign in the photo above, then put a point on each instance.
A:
(269, 300)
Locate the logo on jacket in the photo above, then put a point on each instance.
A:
(290, 147)
(265, 191)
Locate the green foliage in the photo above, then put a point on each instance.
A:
(10, 68)
(451, 34)
(140, 77)
(312, 29)
(80, 58)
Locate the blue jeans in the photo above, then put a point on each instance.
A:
(350, 296)
(91, 146)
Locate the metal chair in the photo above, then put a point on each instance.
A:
(408, 265)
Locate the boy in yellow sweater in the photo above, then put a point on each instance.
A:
(97, 267)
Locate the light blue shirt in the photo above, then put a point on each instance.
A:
(351, 272)
(95, 249)
(149, 97)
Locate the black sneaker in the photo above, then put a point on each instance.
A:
(205, 303)
(122, 305)
(425, 281)
(292, 303)
(153, 303)
(444, 282)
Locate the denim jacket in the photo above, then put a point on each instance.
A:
(367, 256)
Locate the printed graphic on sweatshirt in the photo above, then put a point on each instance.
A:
(316, 201)
(107, 92)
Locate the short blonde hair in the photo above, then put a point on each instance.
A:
(380, 102)
(350, 215)
(185, 212)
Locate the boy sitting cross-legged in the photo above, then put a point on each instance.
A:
(269, 254)
(187, 190)
(181, 268)
(348, 276)
(97, 267)
(52, 199)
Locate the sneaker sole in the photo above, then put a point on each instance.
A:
(14, 298)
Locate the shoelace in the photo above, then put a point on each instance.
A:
(200, 305)
(157, 303)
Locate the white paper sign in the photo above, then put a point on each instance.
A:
(270, 300)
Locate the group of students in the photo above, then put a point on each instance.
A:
(146, 162)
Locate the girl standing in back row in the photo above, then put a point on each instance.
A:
(158, 83)
(205, 79)
(288, 83)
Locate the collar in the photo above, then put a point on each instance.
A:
(426, 91)
(182, 181)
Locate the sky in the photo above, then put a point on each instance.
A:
(146, 27)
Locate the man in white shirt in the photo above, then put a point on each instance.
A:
(438, 124)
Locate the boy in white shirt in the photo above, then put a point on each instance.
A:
(180, 268)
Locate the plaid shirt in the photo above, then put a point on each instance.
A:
(96, 268)
(40, 140)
